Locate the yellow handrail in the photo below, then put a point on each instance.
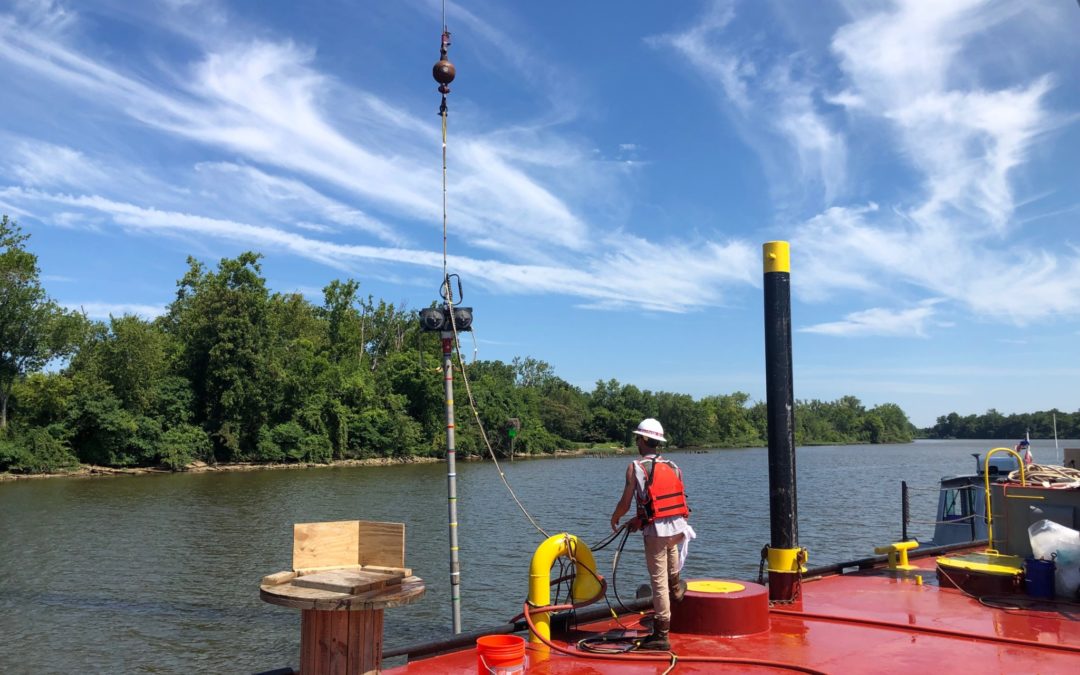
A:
(585, 586)
(986, 481)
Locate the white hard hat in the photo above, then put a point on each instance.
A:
(650, 428)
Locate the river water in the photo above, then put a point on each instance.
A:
(160, 573)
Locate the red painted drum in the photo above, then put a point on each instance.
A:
(720, 607)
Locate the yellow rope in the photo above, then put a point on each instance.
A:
(446, 280)
(1048, 476)
(483, 433)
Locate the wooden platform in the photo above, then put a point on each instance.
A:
(345, 573)
(406, 590)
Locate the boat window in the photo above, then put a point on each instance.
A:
(958, 504)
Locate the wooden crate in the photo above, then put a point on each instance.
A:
(346, 543)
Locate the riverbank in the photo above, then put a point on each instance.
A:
(95, 471)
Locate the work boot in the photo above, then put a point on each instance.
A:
(676, 588)
(658, 640)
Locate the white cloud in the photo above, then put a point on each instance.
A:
(701, 44)
(48, 16)
(964, 138)
(821, 151)
(956, 239)
(289, 199)
(40, 164)
(314, 227)
(908, 69)
(845, 99)
(104, 310)
(879, 321)
(682, 276)
(520, 50)
(76, 220)
(886, 253)
(776, 113)
(523, 193)
(265, 102)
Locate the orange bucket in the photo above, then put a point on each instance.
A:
(500, 655)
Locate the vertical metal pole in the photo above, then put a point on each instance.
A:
(969, 499)
(780, 398)
(905, 513)
(785, 556)
(451, 478)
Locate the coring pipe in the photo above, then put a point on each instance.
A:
(451, 478)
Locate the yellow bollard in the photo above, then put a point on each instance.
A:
(898, 554)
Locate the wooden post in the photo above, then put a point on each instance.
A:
(341, 642)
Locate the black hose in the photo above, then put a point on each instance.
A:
(559, 622)
(615, 570)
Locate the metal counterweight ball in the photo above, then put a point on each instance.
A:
(443, 72)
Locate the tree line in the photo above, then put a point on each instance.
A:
(993, 424)
(232, 372)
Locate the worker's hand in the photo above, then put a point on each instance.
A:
(614, 523)
(634, 524)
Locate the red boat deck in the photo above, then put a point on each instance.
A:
(872, 621)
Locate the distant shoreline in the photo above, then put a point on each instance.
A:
(95, 471)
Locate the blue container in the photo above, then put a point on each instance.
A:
(1039, 577)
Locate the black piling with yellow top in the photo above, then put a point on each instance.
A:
(784, 556)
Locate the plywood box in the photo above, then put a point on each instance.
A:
(348, 542)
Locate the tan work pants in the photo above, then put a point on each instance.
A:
(662, 559)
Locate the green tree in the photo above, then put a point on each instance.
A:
(234, 373)
(221, 319)
(182, 445)
(731, 422)
(385, 329)
(344, 327)
(104, 432)
(130, 355)
(616, 409)
(874, 429)
(41, 399)
(562, 408)
(896, 427)
(37, 451)
(34, 330)
(530, 372)
(684, 425)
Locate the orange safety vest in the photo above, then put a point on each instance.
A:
(664, 495)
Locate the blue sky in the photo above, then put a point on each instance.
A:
(613, 171)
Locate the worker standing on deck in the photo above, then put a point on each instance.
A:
(657, 486)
